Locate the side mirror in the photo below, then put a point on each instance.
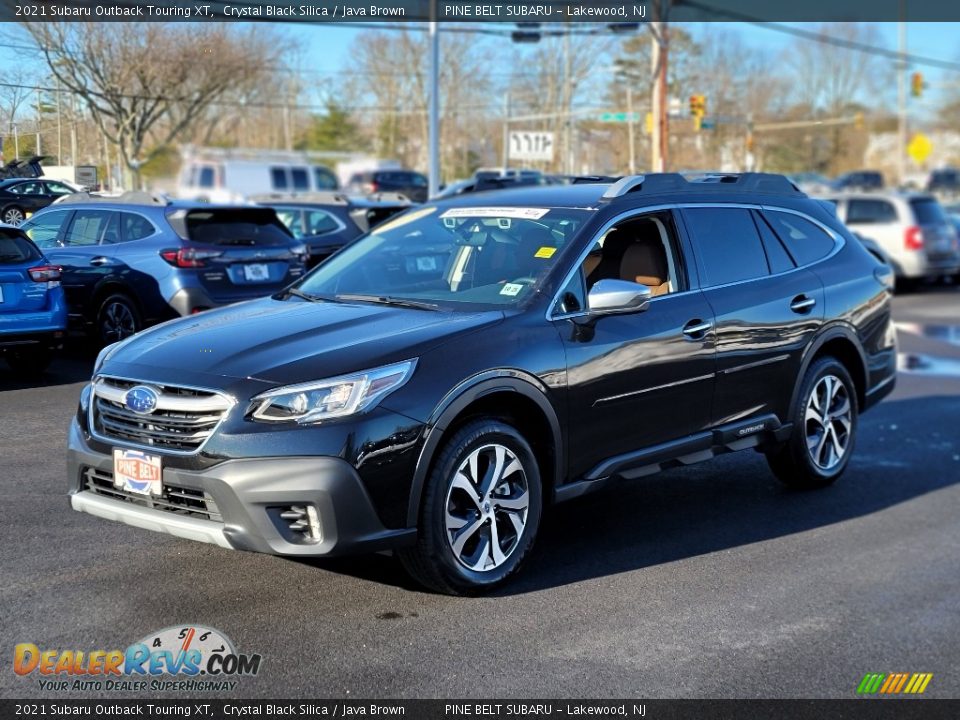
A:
(613, 297)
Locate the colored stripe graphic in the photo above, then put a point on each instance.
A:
(894, 683)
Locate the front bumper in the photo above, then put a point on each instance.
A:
(249, 495)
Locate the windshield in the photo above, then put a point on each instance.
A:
(458, 257)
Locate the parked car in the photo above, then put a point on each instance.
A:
(406, 182)
(945, 181)
(325, 222)
(23, 169)
(859, 180)
(228, 176)
(20, 198)
(33, 312)
(485, 183)
(912, 228)
(812, 183)
(137, 259)
(575, 336)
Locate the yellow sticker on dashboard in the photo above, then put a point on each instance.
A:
(545, 252)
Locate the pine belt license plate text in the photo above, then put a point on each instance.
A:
(137, 472)
(256, 271)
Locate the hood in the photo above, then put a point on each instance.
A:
(283, 342)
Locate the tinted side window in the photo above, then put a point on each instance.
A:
(727, 245)
(928, 211)
(325, 179)
(135, 227)
(871, 211)
(777, 255)
(55, 188)
(43, 229)
(86, 228)
(278, 176)
(301, 181)
(320, 222)
(205, 179)
(806, 241)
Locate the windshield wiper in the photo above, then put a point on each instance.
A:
(301, 294)
(387, 300)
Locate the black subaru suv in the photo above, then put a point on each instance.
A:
(435, 386)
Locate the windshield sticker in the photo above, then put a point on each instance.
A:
(520, 213)
(404, 219)
(545, 252)
(511, 289)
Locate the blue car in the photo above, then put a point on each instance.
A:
(33, 312)
(138, 259)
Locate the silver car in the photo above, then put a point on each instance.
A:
(912, 229)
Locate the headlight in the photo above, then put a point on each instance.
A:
(337, 397)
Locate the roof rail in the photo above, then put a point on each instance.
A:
(131, 197)
(593, 179)
(693, 182)
(332, 197)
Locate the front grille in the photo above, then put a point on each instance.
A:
(174, 498)
(181, 422)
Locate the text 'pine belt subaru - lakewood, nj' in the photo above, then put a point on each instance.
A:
(436, 385)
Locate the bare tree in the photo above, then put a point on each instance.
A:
(145, 85)
(13, 96)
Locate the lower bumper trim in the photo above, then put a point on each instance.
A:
(147, 519)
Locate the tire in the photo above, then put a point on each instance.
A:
(117, 318)
(505, 510)
(905, 285)
(28, 363)
(12, 215)
(814, 457)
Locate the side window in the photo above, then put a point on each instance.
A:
(135, 227)
(418, 180)
(111, 234)
(871, 211)
(777, 255)
(727, 244)
(291, 218)
(806, 241)
(278, 178)
(320, 222)
(27, 188)
(44, 229)
(55, 188)
(86, 228)
(573, 298)
(325, 180)
(205, 177)
(301, 181)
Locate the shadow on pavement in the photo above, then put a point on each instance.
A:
(71, 365)
(730, 502)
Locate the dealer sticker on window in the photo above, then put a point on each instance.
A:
(511, 289)
(520, 213)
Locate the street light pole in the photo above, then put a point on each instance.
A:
(433, 130)
(630, 141)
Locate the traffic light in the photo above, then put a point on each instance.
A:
(698, 105)
(916, 84)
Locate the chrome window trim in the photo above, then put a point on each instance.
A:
(838, 240)
(115, 442)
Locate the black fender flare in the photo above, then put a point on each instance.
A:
(455, 401)
(829, 332)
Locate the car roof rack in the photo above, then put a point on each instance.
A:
(593, 179)
(131, 197)
(321, 197)
(695, 182)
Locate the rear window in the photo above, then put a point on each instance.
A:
(928, 211)
(205, 177)
(301, 180)
(235, 226)
(15, 249)
(871, 212)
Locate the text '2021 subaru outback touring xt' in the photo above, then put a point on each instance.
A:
(434, 386)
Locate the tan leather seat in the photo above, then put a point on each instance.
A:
(645, 262)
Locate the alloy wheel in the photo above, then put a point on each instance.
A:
(13, 216)
(487, 505)
(828, 420)
(118, 322)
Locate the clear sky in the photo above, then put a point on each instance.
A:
(326, 48)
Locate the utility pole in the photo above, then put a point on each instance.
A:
(39, 149)
(73, 133)
(901, 97)
(506, 131)
(656, 164)
(433, 125)
(630, 141)
(567, 104)
(59, 127)
(663, 117)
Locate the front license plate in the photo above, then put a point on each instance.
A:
(137, 472)
(255, 272)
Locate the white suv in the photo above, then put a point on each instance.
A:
(913, 230)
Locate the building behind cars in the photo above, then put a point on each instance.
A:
(138, 259)
(226, 176)
(33, 312)
(912, 228)
(327, 221)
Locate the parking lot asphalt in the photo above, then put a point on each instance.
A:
(705, 581)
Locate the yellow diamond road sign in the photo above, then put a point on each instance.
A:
(919, 148)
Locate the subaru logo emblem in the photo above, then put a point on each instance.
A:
(141, 399)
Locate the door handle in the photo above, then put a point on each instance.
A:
(99, 261)
(802, 304)
(696, 329)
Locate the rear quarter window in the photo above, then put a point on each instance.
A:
(871, 212)
(806, 241)
(928, 211)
